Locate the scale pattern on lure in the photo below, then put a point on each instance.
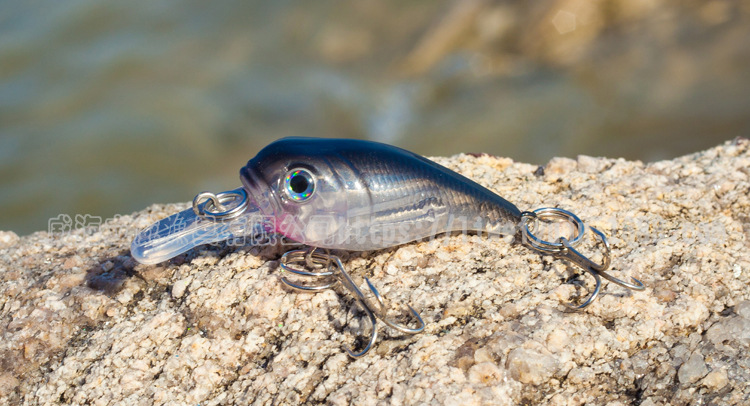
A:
(355, 195)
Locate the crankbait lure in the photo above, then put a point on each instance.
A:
(355, 195)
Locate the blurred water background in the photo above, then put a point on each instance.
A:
(107, 107)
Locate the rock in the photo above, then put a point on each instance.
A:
(486, 373)
(527, 366)
(732, 330)
(743, 309)
(179, 287)
(716, 380)
(8, 239)
(82, 323)
(692, 370)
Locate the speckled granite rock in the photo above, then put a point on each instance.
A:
(82, 323)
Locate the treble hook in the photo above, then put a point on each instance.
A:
(339, 274)
(564, 249)
(378, 313)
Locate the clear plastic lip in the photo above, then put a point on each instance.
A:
(185, 230)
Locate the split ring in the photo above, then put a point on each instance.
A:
(214, 206)
(544, 214)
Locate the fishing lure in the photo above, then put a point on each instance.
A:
(356, 195)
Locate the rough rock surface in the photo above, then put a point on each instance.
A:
(82, 323)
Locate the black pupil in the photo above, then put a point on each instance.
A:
(299, 183)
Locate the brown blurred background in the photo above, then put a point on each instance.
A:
(107, 107)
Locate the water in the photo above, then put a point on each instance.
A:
(107, 107)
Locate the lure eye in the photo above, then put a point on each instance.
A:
(299, 184)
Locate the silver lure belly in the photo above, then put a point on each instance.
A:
(366, 195)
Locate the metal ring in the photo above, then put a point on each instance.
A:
(547, 213)
(299, 257)
(205, 203)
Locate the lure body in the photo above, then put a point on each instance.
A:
(366, 195)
